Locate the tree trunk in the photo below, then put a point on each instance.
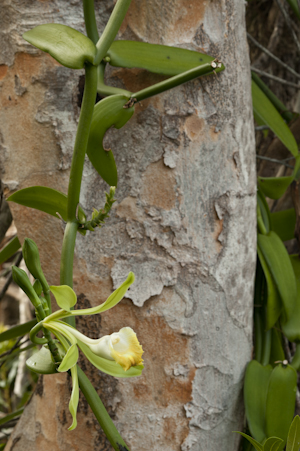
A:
(184, 223)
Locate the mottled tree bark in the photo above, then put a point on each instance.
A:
(184, 223)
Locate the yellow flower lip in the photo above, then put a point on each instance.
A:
(123, 347)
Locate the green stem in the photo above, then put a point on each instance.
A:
(111, 29)
(67, 258)
(90, 20)
(100, 412)
(82, 136)
(67, 254)
(173, 82)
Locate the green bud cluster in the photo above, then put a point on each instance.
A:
(98, 216)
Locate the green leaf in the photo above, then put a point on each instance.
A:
(68, 46)
(283, 223)
(274, 304)
(64, 296)
(18, 331)
(9, 250)
(111, 301)
(11, 416)
(69, 360)
(256, 445)
(107, 113)
(41, 362)
(293, 441)
(278, 262)
(263, 211)
(280, 107)
(265, 110)
(277, 352)
(42, 198)
(291, 328)
(73, 404)
(255, 394)
(160, 59)
(274, 187)
(294, 5)
(281, 399)
(109, 366)
(273, 444)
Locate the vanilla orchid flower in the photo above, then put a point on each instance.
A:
(118, 354)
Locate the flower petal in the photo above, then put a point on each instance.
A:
(109, 366)
(110, 302)
(69, 360)
(73, 404)
(122, 346)
(64, 295)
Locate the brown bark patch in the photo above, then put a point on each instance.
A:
(159, 186)
(3, 71)
(194, 127)
(128, 209)
(163, 348)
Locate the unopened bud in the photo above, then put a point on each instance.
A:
(21, 279)
(33, 263)
(38, 287)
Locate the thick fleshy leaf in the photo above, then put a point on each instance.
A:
(274, 304)
(160, 59)
(42, 198)
(69, 360)
(279, 264)
(264, 109)
(256, 445)
(107, 113)
(283, 223)
(277, 352)
(64, 296)
(111, 301)
(10, 249)
(73, 404)
(68, 46)
(293, 441)
(255, 394)
(281, 399)
(291, 328)
(109, 366)
(41, 362)
(273, 444)
(274, 187)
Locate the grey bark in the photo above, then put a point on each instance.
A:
(184, 223)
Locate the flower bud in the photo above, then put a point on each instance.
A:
(38, 287)
(21, 279)
(32, 260)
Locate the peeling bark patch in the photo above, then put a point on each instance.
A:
(158, 188)
(158, 275)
